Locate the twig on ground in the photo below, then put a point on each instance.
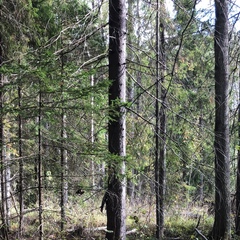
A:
(131, 231)
(198, 231)
(200, 234)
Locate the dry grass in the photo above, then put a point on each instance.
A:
(85, 221)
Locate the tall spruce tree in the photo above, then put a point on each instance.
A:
(116, 192)
(160, 128)
(222, 223)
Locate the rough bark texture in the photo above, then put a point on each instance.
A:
(39, 172)
(222, 226)
(64, 171)
(237, 223)
(2, 153)
(160, 129)
(21, 206)
(64, 156)
(116, 193)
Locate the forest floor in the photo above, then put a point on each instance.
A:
(85, 221)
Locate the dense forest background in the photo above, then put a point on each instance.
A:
(54, 118)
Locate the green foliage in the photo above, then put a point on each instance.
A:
(184, 227)
(52, 48)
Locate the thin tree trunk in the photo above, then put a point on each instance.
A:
(7, 170)
(64, 158)
(157, 129)
(39, 172)
(160, 128)
(163, 129)
(92, 136)
(130, 96)
(7, 182)
(64, 172)
(115, 196)
(222, 222)
(21, 206)
(139, 73)
(2, 154)
(237, 220)
(201, 187)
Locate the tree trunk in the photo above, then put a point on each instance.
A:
(116, 193)
(64, 172)
(39, 166)
(201, 186)
(157, 130)
(237, 220)
(21, 206)
(222, 224)
(130, 97)
(92, 137)
(64, 155)
(7, 181)
(160, 128)
(2, 154)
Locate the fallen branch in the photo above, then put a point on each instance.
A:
(99, 228)
(200, 234)
(96, 229)
(131, 231)
(105, 229)
(198, 231)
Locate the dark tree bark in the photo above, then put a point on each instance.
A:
(7, 179)
(116, 193)
(222, 224)
(21, 206)
(92, 137)
(39, 166)
(64, 171)
(157, 130)
(160, 128)
(237, 220)
(64, 156)
(2, 153)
